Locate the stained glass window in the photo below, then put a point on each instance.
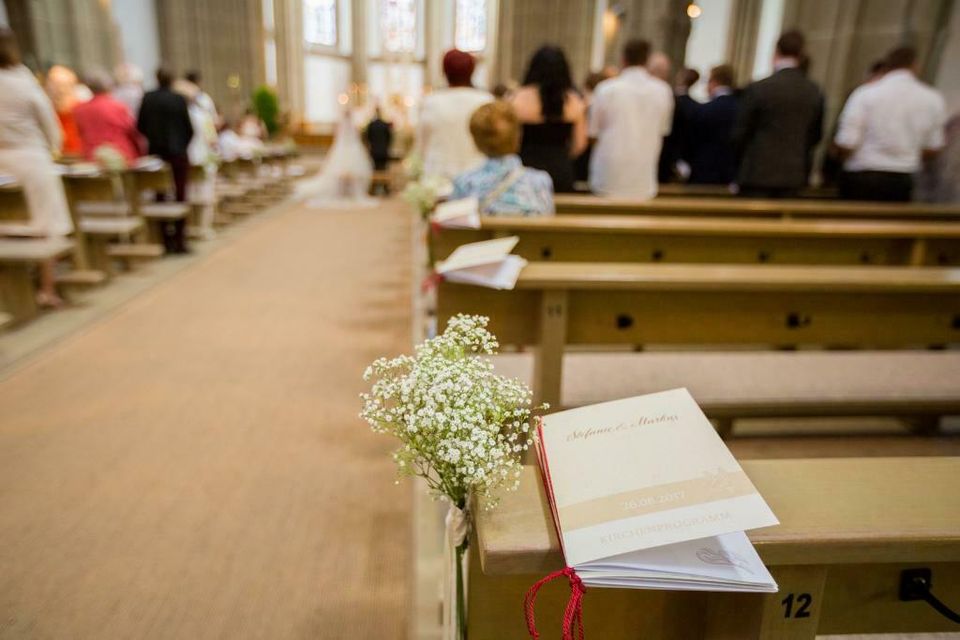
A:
(471, 26)
(320, 22)
(398, 25)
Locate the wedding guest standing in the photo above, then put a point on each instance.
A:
(780, 121)
(62, 88)
(629, 117)
(104, 120)
(553, 117)
(129, 89)
(673, 165)
(887, 129)
(711, 154)
(502, 184)
(29, 134)
(165, 122)
(443, 138)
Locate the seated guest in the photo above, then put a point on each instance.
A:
(712, 157)
(233, 146)
(779, 122)
(443, 137)
(104, 120)
(887, 129)
(553, 117)
(629, 117)
(502, 184)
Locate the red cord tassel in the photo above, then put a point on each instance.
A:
(432, 281)
(572, 615)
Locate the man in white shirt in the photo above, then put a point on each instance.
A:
(629, 117)
(443, 136)
(887, 129)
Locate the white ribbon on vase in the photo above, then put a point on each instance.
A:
(456, 532)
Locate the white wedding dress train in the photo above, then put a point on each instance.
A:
(345, 178)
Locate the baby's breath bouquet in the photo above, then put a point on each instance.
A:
(461, 427)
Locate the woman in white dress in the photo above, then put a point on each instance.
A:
(29, 132)
(346, 174)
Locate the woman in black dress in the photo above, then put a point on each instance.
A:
(553, 117)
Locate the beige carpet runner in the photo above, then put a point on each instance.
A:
(192, 466)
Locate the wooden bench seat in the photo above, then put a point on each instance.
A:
(605, 238)
(81, 278)
(18, 257)
(847, 529)
(737, 384)
(806, 208)
(559, 304)
(110, 226)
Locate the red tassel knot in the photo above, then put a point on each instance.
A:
(572, 614)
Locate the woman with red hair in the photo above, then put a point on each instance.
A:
(443, 137)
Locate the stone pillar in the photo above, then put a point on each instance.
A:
(742, 38)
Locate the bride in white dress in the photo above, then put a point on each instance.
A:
(346, 174)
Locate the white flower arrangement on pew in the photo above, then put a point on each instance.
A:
(424, 193)
(461, 427)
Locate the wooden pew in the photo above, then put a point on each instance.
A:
(18, 259)
(559, 304)
(743, 207)
(596, 238)
(106, 228)
(674, 190)
(848, 527)
(13, 205)
(135, 182)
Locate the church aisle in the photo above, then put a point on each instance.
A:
(193, 466)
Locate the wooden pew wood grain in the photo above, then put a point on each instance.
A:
(605, 238)
(587, 204)
(848, 526)
(662, 304)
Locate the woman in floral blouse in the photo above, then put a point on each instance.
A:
(502, 184)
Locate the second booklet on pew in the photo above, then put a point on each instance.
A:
(645, 494)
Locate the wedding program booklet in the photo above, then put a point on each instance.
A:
(487, 264)
(463, 213)
(644, 494)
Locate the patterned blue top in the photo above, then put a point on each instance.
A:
(530, 195)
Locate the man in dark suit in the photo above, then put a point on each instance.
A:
(379, 136)
(712, 157)
(165, 122)
(676, 144)
(780, 121)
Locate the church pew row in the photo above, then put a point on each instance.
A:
(588, 238)
(19, 258)
(674, 190)
(848, 528)
(755, 207)
(591, 305)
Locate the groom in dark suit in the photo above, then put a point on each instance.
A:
(712, 157)
(779, 123)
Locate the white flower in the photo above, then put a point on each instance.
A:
(460, 426)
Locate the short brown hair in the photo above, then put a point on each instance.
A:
(722, 74)
(901, 58)
(495, 129)
(635, 52)
(791, 44)
(9, 50)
